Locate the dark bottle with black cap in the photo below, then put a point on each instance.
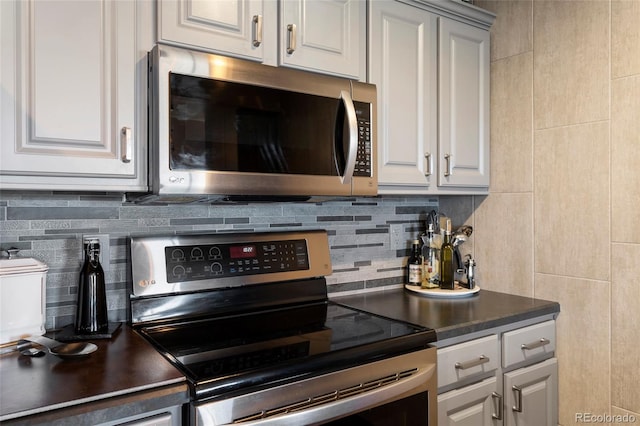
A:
(414, 265)
(91, 313)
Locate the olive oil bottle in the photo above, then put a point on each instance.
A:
(446, 260)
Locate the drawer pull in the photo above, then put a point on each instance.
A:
(473, 363)
(518, 407)
(498, 414)
(534, 345)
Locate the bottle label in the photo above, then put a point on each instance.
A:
(415, 274)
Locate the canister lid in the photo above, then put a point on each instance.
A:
(20, 265)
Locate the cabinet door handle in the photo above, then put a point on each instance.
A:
(518, 391)
(447, 169)
(427, 168)
(498, 413)
(291, 38)
(473, 363)
(257, 30)
(126, 148)
(533, 345)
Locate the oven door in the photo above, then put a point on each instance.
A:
(399, 391)
(227, 126)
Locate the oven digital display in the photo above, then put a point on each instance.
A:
(242, 252)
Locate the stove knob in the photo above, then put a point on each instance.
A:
(214, 253)
(179, 271)
(216, 268)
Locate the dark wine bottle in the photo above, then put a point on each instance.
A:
(91, 313)
(414, 265)
(446, 261)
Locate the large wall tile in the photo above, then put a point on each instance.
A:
(625, 317)
(625, 171)
(583, 352)
(571, 56)
(625, 37)
(511, 124)
(503, 235)
(508, 39)
(571, 169)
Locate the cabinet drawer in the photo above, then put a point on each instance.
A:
(529, 342)
(467, 359)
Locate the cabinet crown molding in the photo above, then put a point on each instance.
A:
(458, 10)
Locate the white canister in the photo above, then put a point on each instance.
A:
(22, 298)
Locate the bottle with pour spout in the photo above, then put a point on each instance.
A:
(91, 313)
(430, 261)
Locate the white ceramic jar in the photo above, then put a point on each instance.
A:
(22, 297)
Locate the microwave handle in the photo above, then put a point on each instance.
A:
(353, 137)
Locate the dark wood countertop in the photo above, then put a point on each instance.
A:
(126, 364)
(451, 317)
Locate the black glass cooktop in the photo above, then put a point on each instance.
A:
(224, 352)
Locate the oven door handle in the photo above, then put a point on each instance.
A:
(334, 409)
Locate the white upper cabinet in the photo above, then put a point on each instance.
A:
(403, 52)
(243, 28)
(432, 76)
(69, 108)
(463, 140)
(326, 36)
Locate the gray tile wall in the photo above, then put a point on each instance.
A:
(49, 227)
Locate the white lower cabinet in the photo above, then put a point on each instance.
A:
(507, 377)
(474, 405)
(531, 395)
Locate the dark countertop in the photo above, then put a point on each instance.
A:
(451, 317)
(126, 365)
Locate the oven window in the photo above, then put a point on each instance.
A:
(410, 411)
(224, 126)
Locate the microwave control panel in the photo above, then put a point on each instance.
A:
(202, 262)
(363, 158)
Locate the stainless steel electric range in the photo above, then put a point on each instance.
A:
(247, 319)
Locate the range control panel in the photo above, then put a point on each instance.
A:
(206, 261)
(180, 264)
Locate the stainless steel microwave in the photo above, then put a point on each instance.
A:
(227, 126)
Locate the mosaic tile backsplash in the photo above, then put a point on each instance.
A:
(49, 227)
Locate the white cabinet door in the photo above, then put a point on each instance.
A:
(403, 57)
(473, 405)
(463, 155)
(243, 28)
(531, 395)
(327, 36)
(68, 77)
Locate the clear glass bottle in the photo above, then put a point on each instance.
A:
(446, 261)
(414, 264)
(91, 313)
(430, 261)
